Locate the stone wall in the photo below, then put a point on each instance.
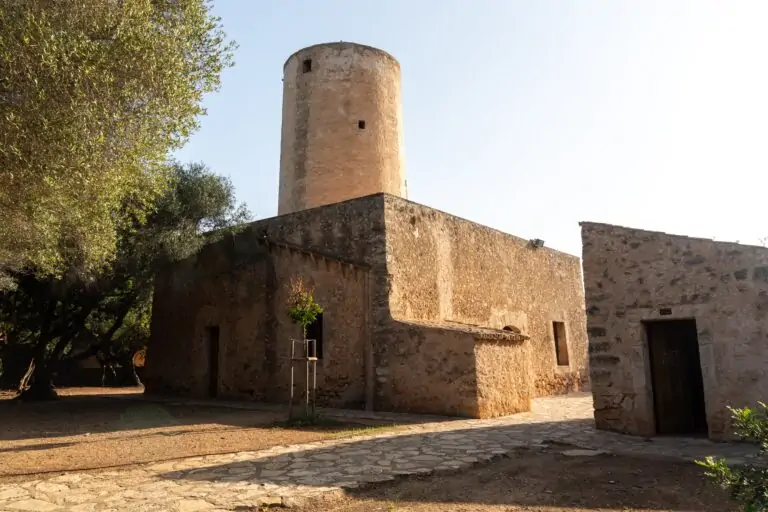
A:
(441, 368)
(342, 134)
(341, 288)
(504, 377)
(225, 286)
(445, 268)
(246, 300)
(416, 299)
(630, 276)
(427, 370)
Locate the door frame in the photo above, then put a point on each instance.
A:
(213, 380)
(648, 390)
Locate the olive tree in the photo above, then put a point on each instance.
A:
(93, 96)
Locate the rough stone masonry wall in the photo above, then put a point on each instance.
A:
(241, 288)
(410, 365)
(629, 276)
(220, 286)
(504, 377)
(445, 268)
(433, 368)
(341, 289)
(427, 370)
(327, 155)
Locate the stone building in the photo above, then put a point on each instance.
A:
(677, 330)
(423, 311)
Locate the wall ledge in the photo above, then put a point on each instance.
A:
(480, 333)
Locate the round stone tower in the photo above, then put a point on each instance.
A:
(342, 134)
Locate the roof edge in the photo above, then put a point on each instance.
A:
(343, 44)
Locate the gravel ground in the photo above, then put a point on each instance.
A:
(546, 482)
(81, 433)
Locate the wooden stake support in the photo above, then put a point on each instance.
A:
(304, 353)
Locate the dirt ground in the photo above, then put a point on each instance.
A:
(81, 432)
(546, 482)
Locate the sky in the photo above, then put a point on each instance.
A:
(530, 116)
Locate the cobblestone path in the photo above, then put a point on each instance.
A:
(286, 475)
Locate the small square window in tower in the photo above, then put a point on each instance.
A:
(361, 124)
(307, 65)
(561, 343)
(315, 333)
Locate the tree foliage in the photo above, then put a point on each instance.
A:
(302, 308)
(106, 315)
(747, 485)
(93, 95)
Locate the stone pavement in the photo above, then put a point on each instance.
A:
(288, 475)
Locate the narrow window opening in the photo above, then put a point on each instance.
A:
(307, 65)
(561, 343)
(361, 124)
(665, 311)
(315, 337)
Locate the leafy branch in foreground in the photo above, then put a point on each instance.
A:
(94, 95)
(748, 484)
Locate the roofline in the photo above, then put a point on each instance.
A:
(342, 44)
(585, 223)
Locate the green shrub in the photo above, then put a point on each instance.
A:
(748, 484)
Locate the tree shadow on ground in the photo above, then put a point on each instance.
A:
(90, 432)
(98, 414)
(34, 447)
(72, 416)
(549, 480)
(384, 457)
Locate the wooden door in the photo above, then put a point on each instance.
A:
(678, 391)
(213, 360)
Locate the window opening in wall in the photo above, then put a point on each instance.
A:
(212, 340)
(561, 343)
(315, 333)
(307, 65)
(361, 124)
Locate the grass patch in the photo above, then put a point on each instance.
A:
(363, 430)
(336, 429)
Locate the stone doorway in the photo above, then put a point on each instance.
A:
(212, 339)
(678, 389)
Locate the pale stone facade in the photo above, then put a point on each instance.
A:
(637, 284)
(415, 305)
(424, 312)
(342, 132)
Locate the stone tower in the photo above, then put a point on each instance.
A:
(342, 134)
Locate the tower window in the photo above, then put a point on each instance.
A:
(315, 332)
(361, 124)
(307, 65)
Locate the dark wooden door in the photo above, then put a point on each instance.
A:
(213, 360)
(678, 390)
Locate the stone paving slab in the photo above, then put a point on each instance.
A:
(288, 475)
